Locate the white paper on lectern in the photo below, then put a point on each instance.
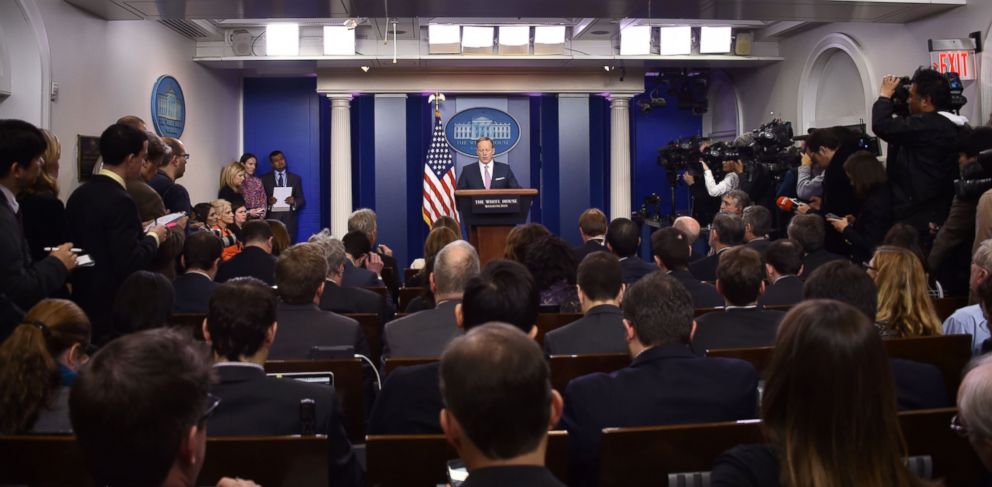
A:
(280, 193)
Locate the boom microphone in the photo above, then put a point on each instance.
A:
(787, 204)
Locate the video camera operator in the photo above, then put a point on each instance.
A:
(921, 163)
(731, 178)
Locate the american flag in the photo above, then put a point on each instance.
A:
(439, 178)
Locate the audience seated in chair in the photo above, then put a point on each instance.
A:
(358, 272)
(783, 264)
(671, 249)
(971, 320)
(140, 409)
(347, 299)
(665, 384)
(551, 262)
(592, 231)
(918, 385)
(600, 283)
(757, 225)
(520, 237)
(499, 406)
(38, 365)
(973, 419)
(904, 305)
(690, 227)
(743, 323)
(727, 231)
(435, 241)
(144, 300)
(241, 328)
(824, 428)
(256, 259)
(300, 274)
(809, 232)
(201, 257)
(364, 220)
(623, 238)
(425, 334)
(410, 400)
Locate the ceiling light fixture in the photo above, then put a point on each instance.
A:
(282, 39)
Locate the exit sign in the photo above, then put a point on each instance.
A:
(961, 62)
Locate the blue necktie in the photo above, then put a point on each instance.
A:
(280, 180)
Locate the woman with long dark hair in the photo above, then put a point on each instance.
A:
(828, 409)
(251, 187)
(867, 229)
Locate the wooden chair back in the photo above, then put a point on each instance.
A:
(393, 363)
(369, 322)
(349, 384)
(407, 294)
(564, 368)
(547, 322)
(945, 307)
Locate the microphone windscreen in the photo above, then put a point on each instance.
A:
(785, 203)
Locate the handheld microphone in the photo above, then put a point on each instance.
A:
(787, 204)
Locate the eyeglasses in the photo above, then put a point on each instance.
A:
(211, 406)
(958, 428)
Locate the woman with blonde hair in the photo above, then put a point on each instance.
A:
(904, 305)
(42, 211)
(220, 220)
(823, 428)
(38, 364)
(232, 177)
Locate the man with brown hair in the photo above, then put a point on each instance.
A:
(592, 230)
(300, 273)
(172, 167)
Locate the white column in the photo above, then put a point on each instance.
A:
(620, 156)
(340, 163)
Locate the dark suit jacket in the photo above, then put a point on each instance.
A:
(356, 300)
(759, 244)
(423, 334)
(786, 291)
(22, 280)
(193, 291)
(44, 223)
(359, 277)
(599, 331)
(409, 402)
(591, 245)
(705, 269)
(251, 262)
(918, 385)
(815, 259)
(633, 268)
(529, 475)
(103, 221)
(503, 177)
(736, 328)
(303, 326)
(292, 180)
(871, 224)
(254, 404)
(150, 206)
(704, 294)
(663, 385)
(174, 196)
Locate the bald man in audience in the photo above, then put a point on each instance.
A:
(665, 383)
(410, 400)
(426, 333)
(690, 227)
(592, 231)
(501, 437)
(600, 330)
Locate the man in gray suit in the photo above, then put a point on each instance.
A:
(601, 329)
(426, 333)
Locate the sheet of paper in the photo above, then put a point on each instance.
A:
(167, 219)
(280, 193)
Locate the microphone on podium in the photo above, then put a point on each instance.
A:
(787, 204)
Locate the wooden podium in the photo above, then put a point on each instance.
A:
(490, 214)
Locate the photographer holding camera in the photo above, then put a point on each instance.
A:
(732, 170)
(921, 163)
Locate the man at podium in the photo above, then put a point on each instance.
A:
(486, 173)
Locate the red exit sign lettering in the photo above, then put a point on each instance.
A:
(960, 62)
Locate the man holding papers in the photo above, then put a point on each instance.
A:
(285, 191)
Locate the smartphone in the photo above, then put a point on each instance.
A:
(457, 473)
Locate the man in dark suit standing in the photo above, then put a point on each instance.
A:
(808, 231)
(600, 282)
(347, 299)
(670, 247)
(426, 333)
(410, 399)
(256, 260)
(201, 255)
(592, 230)
(665, 383)
(742, 323)
(783, 263)
(623, 237)
(241, 328)
(499, 357)
(757, 225)
(103, 221)
(23, 281)
(300, 273)
(280, 177)
(726, 231)
(486, 173)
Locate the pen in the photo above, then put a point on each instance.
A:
(52, 249)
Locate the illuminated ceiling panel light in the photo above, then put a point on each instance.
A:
(444, 39)
(477, 40)
(635, 40)
(714, 40)
(514, 40)
(549, 40)
(339, 41)
(282, 39)
(676, 40)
